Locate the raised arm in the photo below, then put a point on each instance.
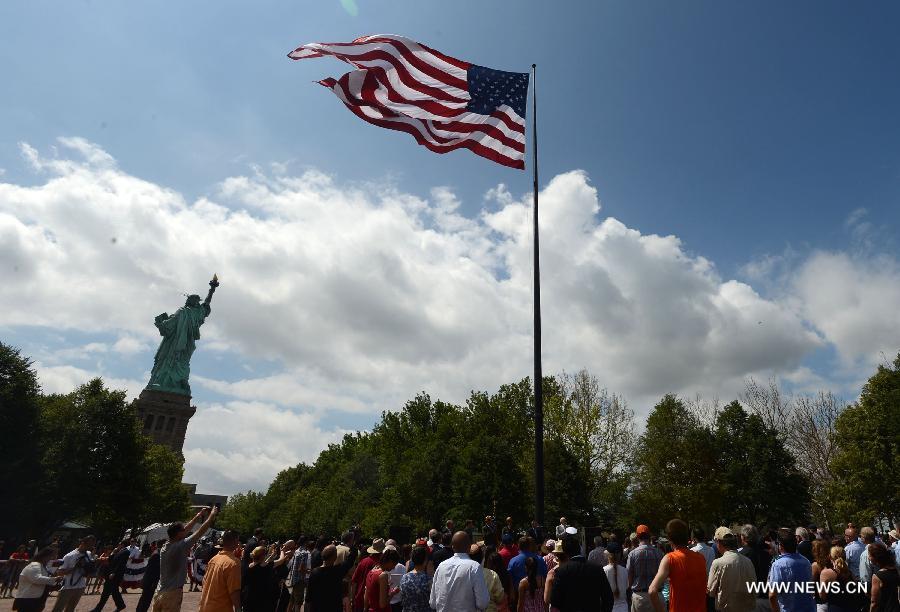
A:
(212, 289)
(194, 537)
(194, 520)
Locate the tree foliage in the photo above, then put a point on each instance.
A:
(760, 482)
(675, 463)
(866, 464)
(805, 426)
(20, 410)
(431, 461)
(84, 456)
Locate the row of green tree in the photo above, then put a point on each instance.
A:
(79, 456)
(767, 459)
(771, 460)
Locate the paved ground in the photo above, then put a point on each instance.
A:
(190, 603)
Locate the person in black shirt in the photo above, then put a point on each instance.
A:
(757, 552)
(315, 559)
(804, 544)
(115, 574)
(579, 586)
(150, 580)
(470, 529)
(536, 532)
(442, 553)
(252, 543)
(258, 585)
(489, 531)
(325, 591)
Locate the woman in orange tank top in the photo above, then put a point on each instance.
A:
(686, 572)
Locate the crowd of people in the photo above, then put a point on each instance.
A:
(502, 569)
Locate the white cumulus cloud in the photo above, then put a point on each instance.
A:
(363, 295)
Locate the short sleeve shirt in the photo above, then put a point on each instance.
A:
(643, 563)
(223, 577)
(517, 570)
(173, 561)
(415, 589)
(76, 578)
(791, 568)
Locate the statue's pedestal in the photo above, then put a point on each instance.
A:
(165, 417)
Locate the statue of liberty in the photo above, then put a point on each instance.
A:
(172, 363)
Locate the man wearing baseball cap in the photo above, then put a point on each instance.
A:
(642, 565)
(730, 574)
(895, 543)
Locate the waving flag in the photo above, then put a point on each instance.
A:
(443, 102)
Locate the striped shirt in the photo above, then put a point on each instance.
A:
(643, 563)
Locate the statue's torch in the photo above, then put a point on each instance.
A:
(212, 289)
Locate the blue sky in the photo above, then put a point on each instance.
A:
(762, 135)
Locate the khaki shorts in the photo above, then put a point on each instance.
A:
(167, 601)
(640, 602)
(67, 600)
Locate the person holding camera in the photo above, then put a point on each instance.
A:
(173, 559)
(76, 566)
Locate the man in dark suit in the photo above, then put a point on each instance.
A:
(536, 533)
(117, 562)
(252, 543)
(579, 586)
(150, 580)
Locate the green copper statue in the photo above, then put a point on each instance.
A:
(172, 364)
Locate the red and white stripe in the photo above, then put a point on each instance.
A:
(403, 85)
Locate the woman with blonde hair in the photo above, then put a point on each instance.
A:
(834, 581)
(821, 561)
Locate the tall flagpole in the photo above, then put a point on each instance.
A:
(538, 375)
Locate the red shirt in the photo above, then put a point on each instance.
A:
(687, 581)
(359, 579)
(373, 592)
(508, 552)
(19, 556)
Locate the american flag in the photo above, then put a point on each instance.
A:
(443, 102)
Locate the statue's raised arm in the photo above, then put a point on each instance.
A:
(180, 331)
(212, 289)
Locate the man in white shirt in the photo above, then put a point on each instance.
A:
(894, 535)
(75, 568)
(394, 578)
(700, 546)
(458, 584)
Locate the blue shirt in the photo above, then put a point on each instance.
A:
(790, 569)
(854, 551)
(517, 567)
(866, 567)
